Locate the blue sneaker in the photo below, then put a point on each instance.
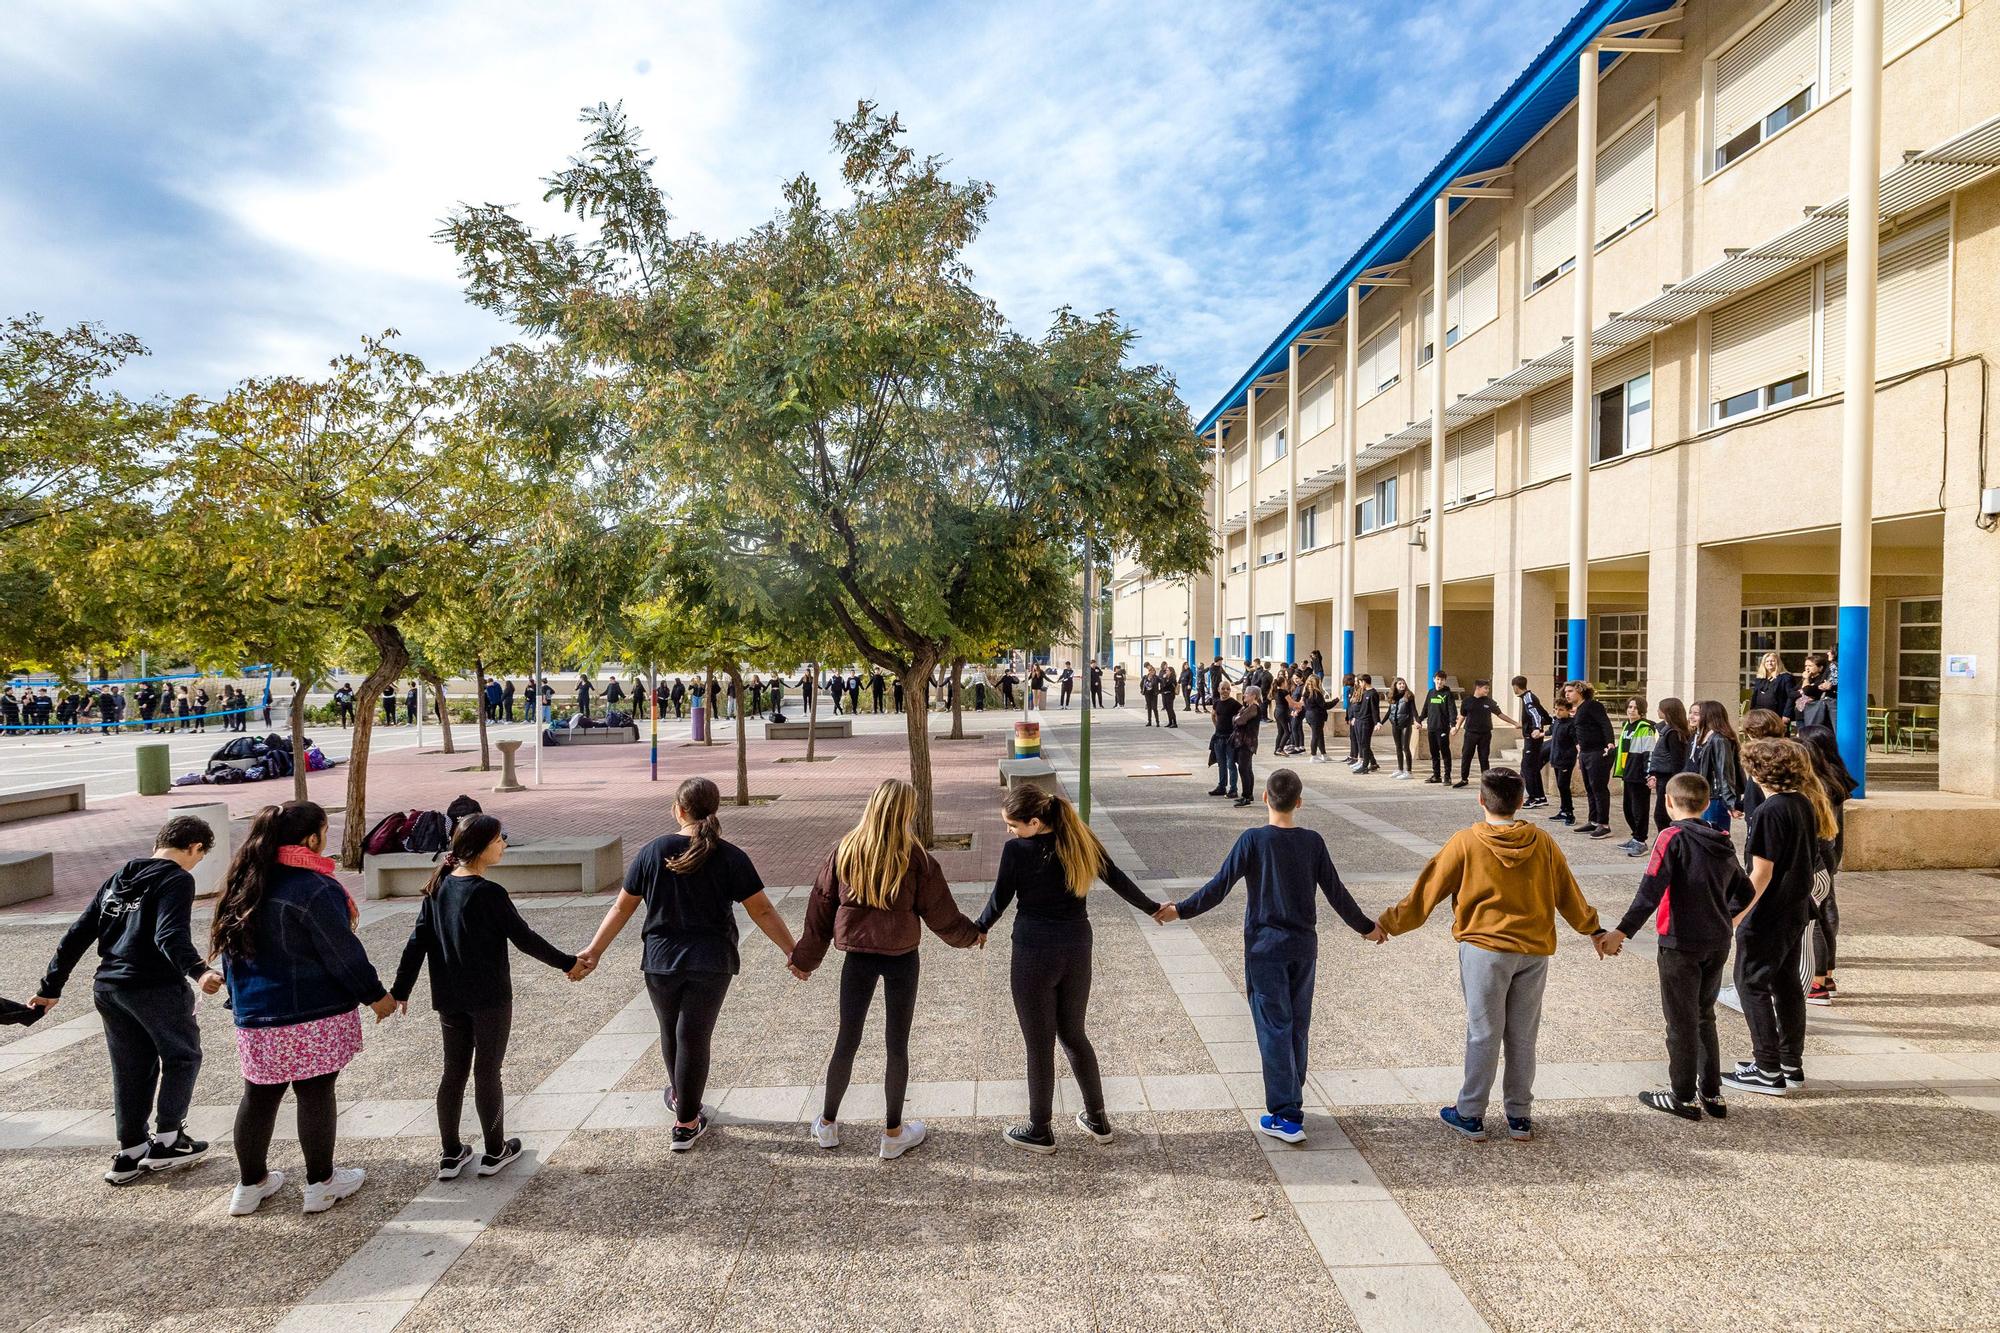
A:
(1288, 1131)
(1473, 1127)
(1520, 1127)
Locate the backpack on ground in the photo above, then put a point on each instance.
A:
(460, 807)
(387, 835)
(427, 833)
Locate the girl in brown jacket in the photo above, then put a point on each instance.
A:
(867, 902)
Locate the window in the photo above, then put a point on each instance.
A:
(1621, 652)
(1789, 631)
(1268, 630)
(1471, 300)
(1552, 235)
(1468, 467)
(1760, 349)
(1919, 641)
(1379, 362)
(1913, 304)
(1627, 168)
(1549, 433)
(1765, 80)
(1561, 658)
(1239, 468)
(1316, 407)
(1377, 507)
(1308, 534)
(1232, 642)
(1273, 445)
(1155, 647)
(1624, 393)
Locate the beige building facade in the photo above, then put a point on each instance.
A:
(1714, 416)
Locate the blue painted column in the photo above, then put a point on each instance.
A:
(1291, 648)
(1249, 647)
(1346, 665)
(1437, 650)
(1218, 646)
(1579, 648)
(1850, 700)
(1190, 648)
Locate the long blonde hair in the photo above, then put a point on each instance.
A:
(875, 855)
(1082, 855)
(1786, 765)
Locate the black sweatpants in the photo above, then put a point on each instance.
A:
(154, 1044)
(1596, 768)
(858, 975)
(475, 1045)
(1638, 807)
(687, 1005)
(1440, 756)
(1318, 726)
(1773, 996)
(1245, 756)
(1406, 761)
(1534, 754)
(1476, 742)
(257, 1117)
(1562, 769)
(1689, 983)
(1051, 994)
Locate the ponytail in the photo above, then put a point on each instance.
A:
(474, 834)
(250, 871)
(698, 799)
(1077, 847)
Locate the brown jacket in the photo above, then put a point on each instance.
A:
(1507, 884)
(832, 916)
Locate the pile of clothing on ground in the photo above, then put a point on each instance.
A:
(250, 759)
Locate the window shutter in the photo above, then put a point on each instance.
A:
(1473, 298)
(1903, 22)
(1627, 365)
(1625, 172)
(1766, 69)
(1316, 407)
(1761, 339)
(1912, 304)
(1552, 231)
(1468, 455)
(1426, 324)
(1381, 360)
(1549, 433)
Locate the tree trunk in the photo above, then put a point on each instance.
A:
(391, 654)
(714, 705)
(479, 681)
(812, 711)
(742, 742)
(956, 685)
(916, 678)
(443, 714)
(298, 720)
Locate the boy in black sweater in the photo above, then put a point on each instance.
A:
(1562, 758)
(146, 957)
(1283, 864)
(1440, 714)
(1692, 887)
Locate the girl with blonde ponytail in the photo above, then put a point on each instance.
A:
(867, 902)
(1050, 864)
(690, 882)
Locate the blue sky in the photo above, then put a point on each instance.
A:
(252, 187)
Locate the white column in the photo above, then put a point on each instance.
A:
(1579, 383)
(1250, 470)
(1857, 417)
(1440, 278)
(1349, 402)
(1221, 537)
(1292, 504)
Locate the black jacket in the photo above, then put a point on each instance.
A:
(1669, 755)
(463, 931)
(1440, 711)
(1593, 728)
(139, 923)
(1562, 741)
(1366, 708)
(1402, 710)
(1775, 694)
(1692, 887)
(1534, 717)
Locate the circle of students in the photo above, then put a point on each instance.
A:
(283, 942)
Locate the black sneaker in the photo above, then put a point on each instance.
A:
(684, 1135)
(1242, 801)
(1795, 1075)
(127, 1166)
(1097, 1126)
(1600, 832)
(491, 1164)
(1028, 1139)
(1433, 779)
(1756, 1080)
(1717, 1108)
(1664, 1101)
(1217, 791)
(183, 1151)
(1460, 783)
(451, 1164)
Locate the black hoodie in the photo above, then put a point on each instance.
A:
(1694, 881)
(139, 922)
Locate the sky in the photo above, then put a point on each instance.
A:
(252, 187)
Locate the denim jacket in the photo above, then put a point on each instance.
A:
(306, 962)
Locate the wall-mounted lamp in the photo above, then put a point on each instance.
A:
(1417, 537)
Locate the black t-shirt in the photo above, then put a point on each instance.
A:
(1478, 713)
(690, 921)
(1225, 715)
(1049, 914)
(1785, 834)
(463, 932)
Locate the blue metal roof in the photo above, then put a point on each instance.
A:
(1542, 93)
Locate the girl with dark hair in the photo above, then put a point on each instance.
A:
(1669, 756)
(1050, 864)
(1812, 701)
(1838, 784)
(1713, 755)
(689, 882)
(1243, 742)
(463, 929)
(1315, 709)
(295, 973)
(1402, 718)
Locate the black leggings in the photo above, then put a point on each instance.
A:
(687, 1005)
(1051, 992)
(1478, 743)
(1319, 736)
(1405, 759)
(475, 1044)
(257, 1117)
(858, 974)
(1245, 754)
(1638, 808)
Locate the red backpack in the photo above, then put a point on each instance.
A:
(386, 836)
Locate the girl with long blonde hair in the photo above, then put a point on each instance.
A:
(867, 902)
(1050, 864)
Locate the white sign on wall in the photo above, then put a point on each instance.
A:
(1963, 666)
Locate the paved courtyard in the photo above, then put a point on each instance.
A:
(1870, 1201)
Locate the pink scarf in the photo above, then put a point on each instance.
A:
(301, 857)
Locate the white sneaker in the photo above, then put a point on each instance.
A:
(244, 1199)
(1728, 999)
(1404, 776)
(913, 1134)
(825, 1134)
(326, 1193)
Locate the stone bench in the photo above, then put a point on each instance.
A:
(593, 736)
(824, 729)
(25, 876)
(555, 865)
(1029, 773)
(39, 801)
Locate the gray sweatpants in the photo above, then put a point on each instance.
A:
(1503, 1007)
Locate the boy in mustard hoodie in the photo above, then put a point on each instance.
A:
(1507, 879)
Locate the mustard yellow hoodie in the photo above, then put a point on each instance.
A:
(1506, 883)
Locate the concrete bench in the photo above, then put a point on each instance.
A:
(593, 736)
(39, 801)
(1029, 773)
(25, 876)
(824, 729)
(554, 865)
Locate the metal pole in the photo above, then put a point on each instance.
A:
(1440, 280)
(1857, 416)
(652, 684)
(1221, 539)
(1579, 364)
(535, 706)
(419, 710)
(1090, 659)
(1350, 401)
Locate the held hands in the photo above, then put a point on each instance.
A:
(384, 1007)
(1609, 943)
(586, 963)
(210, 983)
(1168, 914)
(44, 1002)
(798, 971)
(1376, 934)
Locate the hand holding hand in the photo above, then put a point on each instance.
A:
(1376, 934)
(798, 971)
(1167, 914)
(1610, 943)
(384, 1007)
(44, 1002)
(982, 940)
(210, 983)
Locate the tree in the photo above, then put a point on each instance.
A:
(811, 394)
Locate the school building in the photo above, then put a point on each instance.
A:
(1656, 513)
